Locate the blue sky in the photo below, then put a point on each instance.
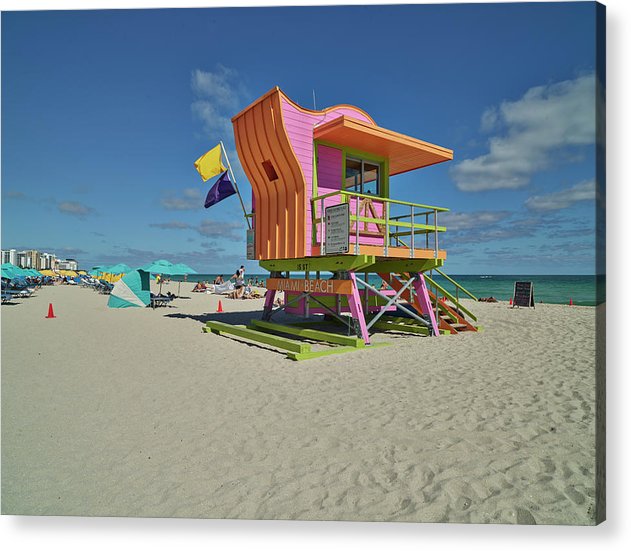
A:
(104, 112)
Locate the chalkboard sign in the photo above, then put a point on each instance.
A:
(524, 294)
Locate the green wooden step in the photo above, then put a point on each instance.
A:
(307, 333)
(330, 351)
(219, 328)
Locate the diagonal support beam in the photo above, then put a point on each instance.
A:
(267, 314)
(423, 301)
(357, 311)
(332, 312)
(390, 301)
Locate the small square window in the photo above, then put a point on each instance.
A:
(362, 176)
(268, 167)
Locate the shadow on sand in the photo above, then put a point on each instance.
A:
(237, 318)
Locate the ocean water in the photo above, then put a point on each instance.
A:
(584, 290)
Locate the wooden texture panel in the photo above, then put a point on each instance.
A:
(328, 286)
(280, 213)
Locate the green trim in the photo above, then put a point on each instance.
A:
(307, 333)
(450, 297)
(395, 201)
(457, 284)
(387, 326)
(220, 328)
(318, 263)
(330, 351)
(314, 177)
(398, 265)
(384, 166)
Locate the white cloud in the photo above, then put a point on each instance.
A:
(539, 125)
(171, 225)
(233, 231)
(455, 221)
(192, 200)
(584, 191)
(218, 86)
(74, 208)
(218, 96)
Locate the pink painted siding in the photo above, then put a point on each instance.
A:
(329, 169)
(299, 126)
(329, 177)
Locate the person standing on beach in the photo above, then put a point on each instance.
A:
(239, 276)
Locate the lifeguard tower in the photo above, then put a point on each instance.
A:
(321, 207)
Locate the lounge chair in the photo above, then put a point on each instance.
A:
(160, 300)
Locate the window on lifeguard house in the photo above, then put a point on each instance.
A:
(362, 176)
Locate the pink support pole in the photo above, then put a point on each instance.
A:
(422, 299)
(356, 309)
(269, 302)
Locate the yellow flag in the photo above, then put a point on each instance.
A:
(209, 164)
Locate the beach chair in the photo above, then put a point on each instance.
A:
(159, 300)
(7, 297)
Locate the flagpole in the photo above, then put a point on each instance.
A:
(234, 180)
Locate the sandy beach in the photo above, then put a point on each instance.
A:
(137, 412)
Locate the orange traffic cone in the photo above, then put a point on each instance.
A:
(51, 314)
(510, 302)
(571, 303)
(219, 307)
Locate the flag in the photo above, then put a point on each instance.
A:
(220, 190)
(209, 164)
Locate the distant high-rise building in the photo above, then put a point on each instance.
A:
(21, 259)
(32, 259)
(38, 260)
(68, 264)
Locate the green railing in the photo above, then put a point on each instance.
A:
(456, 285)
(398, 231)
(454, 298)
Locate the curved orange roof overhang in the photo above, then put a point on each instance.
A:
(404, 152)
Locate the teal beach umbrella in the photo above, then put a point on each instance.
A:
(183, 269)
(10, 271)
(131, 290)
(117, 269)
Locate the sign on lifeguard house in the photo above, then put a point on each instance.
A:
(336, 229)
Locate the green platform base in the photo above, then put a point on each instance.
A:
(264, 332)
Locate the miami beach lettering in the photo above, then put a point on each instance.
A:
(328, 286)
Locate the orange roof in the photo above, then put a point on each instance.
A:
(404, 152)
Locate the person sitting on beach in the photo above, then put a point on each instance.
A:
(238, 292)
(219, 280)
(200, 287)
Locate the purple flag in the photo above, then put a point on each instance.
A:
(221, 189)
